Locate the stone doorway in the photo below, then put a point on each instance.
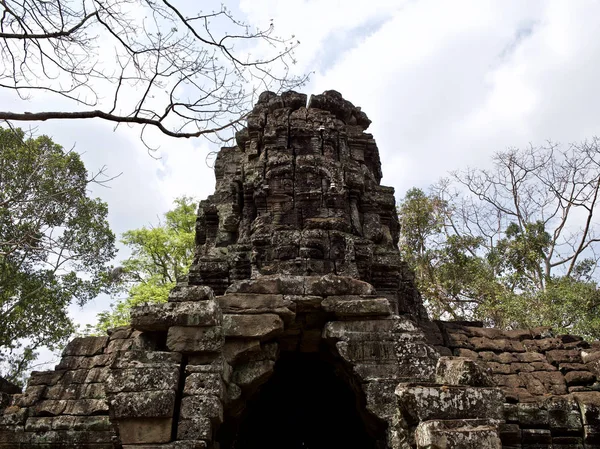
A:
(306, 404)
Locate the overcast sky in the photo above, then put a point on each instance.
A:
(446, 85)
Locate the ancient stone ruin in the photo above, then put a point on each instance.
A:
(299, 327)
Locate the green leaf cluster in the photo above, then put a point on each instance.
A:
(464, 276)
(450, 273)
(55, 245)
(159, 256)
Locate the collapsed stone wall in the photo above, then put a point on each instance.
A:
(550, 382)
(296, 253)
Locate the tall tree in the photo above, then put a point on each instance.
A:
(535, 206)
(515, 244)
(451, 274)
(160, 255)
(55, 245)
(184, 72)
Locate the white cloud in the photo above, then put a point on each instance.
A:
(317, 24)
(448, 83)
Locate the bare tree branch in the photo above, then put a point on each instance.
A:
(140, 62)
(556, 187)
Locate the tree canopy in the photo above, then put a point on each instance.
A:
(160, 255)
(184, 72)
(515, 245)
(55, 245)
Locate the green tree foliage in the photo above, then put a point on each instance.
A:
(513, 245)
(160, 255)
(450, 274)
(55, 244)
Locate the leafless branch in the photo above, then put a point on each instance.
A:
(140, 62)
(551, 184)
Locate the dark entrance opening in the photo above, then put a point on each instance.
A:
(304, 405)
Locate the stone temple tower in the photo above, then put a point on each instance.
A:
(299, 326)
(300, 195)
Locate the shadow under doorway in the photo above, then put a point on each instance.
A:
(304, 405)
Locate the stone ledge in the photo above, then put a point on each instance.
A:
(463, 434)
(159, 317)
(327, 285)
(423, 402)
(353, 306)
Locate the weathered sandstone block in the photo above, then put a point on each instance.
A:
(187, 339)
(462, 371)
(355, 306)
(458, 434)
(157, 317)
(252, 326)
(146, 404)
(423, 403)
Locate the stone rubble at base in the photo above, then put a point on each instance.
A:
(296, 251)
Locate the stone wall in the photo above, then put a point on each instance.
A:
(550, 382)
(296, 253)
(195, 361)
(7, 389)
(65, 406)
